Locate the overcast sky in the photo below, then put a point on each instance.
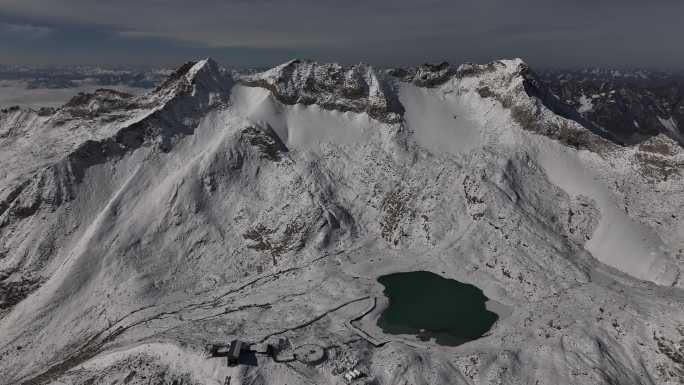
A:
(561, 33)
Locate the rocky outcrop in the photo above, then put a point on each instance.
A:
(266, 140)
(425, 75)
(331, 86)
(100, 102)
(532, 105)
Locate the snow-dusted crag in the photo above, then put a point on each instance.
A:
(137, 230)
(331, 86)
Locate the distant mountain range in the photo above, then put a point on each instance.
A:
(630, 106)
(627, 106)
(75, 76)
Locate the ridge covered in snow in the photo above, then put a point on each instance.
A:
(224, 206)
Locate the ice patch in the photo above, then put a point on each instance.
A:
(586, 104)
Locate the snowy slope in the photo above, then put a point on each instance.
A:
(223, 206)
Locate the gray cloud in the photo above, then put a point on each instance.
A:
(546, 32)
(27, 31)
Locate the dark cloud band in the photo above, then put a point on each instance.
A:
(549, 32)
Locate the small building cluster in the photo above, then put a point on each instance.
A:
(352, 375)
(280, 350)
(238, 352)
(234, 352)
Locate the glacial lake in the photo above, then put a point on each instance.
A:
(429, 306)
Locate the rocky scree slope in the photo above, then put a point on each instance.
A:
(201, 212)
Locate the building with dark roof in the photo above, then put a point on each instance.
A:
(234, 352)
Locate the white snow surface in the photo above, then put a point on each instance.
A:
(299, 126)
(618, 241)
(440, 120)
(586, 104)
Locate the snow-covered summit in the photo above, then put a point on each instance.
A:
(204, 80)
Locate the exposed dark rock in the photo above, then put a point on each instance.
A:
(631, 106)
(180, 72)
(431, 75)
(331, 86)
(267, 141)
(101, 102)
(13, 292)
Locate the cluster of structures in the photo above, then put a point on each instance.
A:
(352, 375)
(233, 351)
(279, 350)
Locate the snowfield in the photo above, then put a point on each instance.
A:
(136, 231)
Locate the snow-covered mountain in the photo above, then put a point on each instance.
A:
(137, 230)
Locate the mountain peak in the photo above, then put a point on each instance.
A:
(203, 78)
(204, 66)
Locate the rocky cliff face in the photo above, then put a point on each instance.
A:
(331, 86)
(223, 206)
